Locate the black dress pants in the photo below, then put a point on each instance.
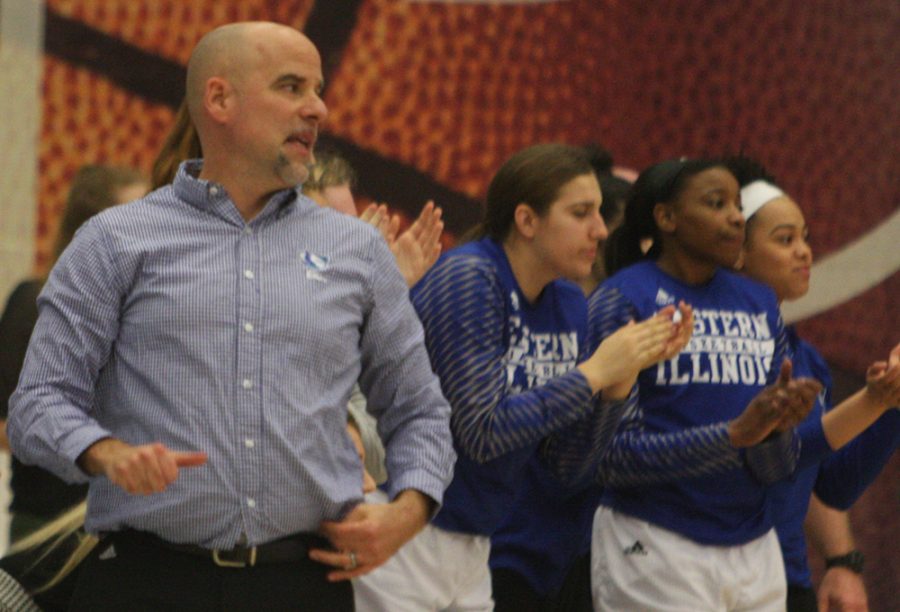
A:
(121, 576)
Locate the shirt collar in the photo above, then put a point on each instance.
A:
(210, 196)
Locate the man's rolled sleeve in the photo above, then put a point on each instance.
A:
(403, 393)
(50, 422)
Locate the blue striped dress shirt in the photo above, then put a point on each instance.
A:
(172, 319)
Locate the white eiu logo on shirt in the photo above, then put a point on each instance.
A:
(315, 265)
(727, 347)
(663, 298)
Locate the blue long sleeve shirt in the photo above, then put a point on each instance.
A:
(671, 462)
(172, 319)
(507, 367)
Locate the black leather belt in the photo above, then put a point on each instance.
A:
(285, 550)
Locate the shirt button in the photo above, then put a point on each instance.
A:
(248, 230)
(248, 327)
(251, 502)
(247, 384)
(248, 274)
(214, 191)
(249, 443)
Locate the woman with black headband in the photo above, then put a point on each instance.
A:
(684, 519)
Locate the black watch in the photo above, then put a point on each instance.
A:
(853, 561)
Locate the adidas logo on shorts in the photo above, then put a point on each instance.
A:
(636, 549)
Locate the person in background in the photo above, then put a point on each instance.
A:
(331, 183)
(181, 144)
(615, 193)
(777, 252)
(220, 324)
(38, 495)
(46, 562)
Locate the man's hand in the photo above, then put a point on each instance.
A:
(139, 470)
(778, 407)
(371, 533)
(842, 590)
(4, 441)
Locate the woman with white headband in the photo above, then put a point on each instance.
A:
(777, 253)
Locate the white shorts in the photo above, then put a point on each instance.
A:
(638, 566)
(436, 570)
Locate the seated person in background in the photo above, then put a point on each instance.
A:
(38, 495)
(331, 184)
(46, 563)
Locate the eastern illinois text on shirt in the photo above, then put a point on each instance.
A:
(534, 358)
(727, 347)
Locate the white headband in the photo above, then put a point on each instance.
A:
(757, 194)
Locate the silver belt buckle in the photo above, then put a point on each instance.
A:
(218, 560)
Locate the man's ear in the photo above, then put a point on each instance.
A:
(218, 99)
(525, 220)
(664, 216)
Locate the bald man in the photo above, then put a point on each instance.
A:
(195, 352)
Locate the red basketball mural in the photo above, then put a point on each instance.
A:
(427, 99)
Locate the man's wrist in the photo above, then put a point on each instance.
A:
(853, 560)
(92, 460)
(416, 505)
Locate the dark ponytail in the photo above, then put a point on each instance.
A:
(747, 170)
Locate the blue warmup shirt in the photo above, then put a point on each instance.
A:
(736, 349)
(548, 528)
(839, 479)
(507, 368)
